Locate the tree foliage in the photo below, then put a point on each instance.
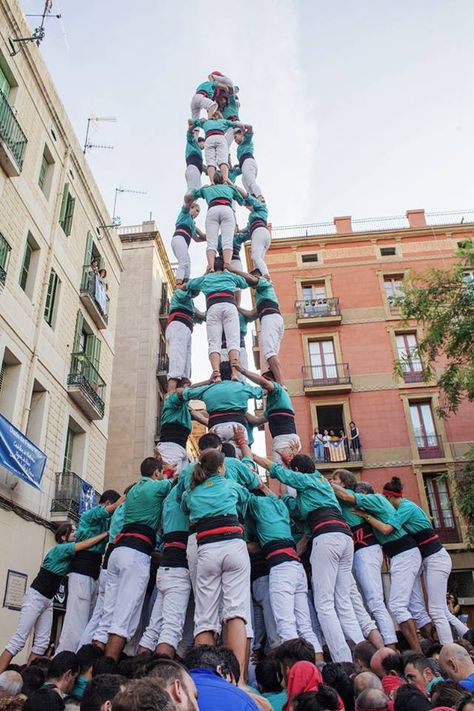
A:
(442, 302)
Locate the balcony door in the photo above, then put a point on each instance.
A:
(423, 427)
(323, 361)
(441, 510)
(407, 347)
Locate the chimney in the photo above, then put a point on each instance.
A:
(343, 224)
(416, 218)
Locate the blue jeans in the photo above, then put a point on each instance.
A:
(319, 451)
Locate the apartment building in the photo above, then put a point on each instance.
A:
(57, 316)
(337, 283)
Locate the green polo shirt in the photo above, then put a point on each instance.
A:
(213, 124)
(259, 210)
(264, 291)
(246, 145)
(217, 496)
(313, 489)
(378, 506)
(216, 281)
(182, 299)
(185, 218)
(232, 109)
(92, 523)
(212, 192)
(277, 399)
(58, 559)
(116, 522)
(208, 86)
(173, 517)
(145, 500)
(223, 396)
(351, 518)
(192, 146)
(411, 517)
(272, 519)
(176, 411)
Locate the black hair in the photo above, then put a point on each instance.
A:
(395, 485)
(468, 699)
(142, 694)
(364, 651)
(149, 466)
(63, 532)
(126, 667)
(230, 664)
(268, 675)
(324, 699)
(393, 663)
(86, 655)
(302, 463)
(225, 370)
(209, 441)
(166, 670)
(42, 663)
(347, 478)
(419, 661)
(434, 648)
(104, 665)
(218, 179)
(203, 656)
(208, 464)
(228, 449)
(363, 487)
(101, 689)
(219, 264)
(411, 698)
(256, 272)
(294, 650)
(44, 699)
(447, 693)
(62, 663)
(335, 675)
(33, 678)
(109, 495)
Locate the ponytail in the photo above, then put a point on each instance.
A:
(394, 487)
(207, 465)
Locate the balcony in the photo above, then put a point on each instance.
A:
(334, 378)
(86, 387)
(68, 494)
(413, 376)
(429, 446)
(314, 312)
(5, 250)
(256, 350)
(162, 370)
(12, 140)
(164, 306)
(94, 297)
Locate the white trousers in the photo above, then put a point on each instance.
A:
(261, 596)
(216, 151)
(179, 340)
(173, 453)
(192, 175)
(249, 177)
(459, 627)
(223, 317)
(404, 571)
(181, 251)
(169, 611)
(128, 573)
(331, 564)
(436, 570)
(417, 604)
(282, 442)
(220, 218)
(288, 590)
(225, 430)
(365, 624)
(270, 336)
(223, 568)
(367, 571)
(89, 633)
(36, 616)
(199, 103)
(260, 243)
(81, 597)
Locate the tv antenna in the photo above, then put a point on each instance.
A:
(124, 190)
(95, 120)
(38, 33)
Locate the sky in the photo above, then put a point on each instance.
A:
(359, 108)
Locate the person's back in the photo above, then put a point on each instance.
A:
(44, 699)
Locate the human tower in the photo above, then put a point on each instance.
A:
(203, 551)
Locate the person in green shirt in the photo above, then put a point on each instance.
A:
(258, 232)
(185, 230)
(85, 570)
(203, 99)
(36, 613)
(214, 505)
(193, 156)
(247, 162)
(175, 428)
(216, 148)
(179, 329)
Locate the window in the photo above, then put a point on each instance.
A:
(10, 371)
(393, 286)
(5, 250)
(68, 450)
(408, 357)
(67, 210)
(29, 265)
(46, 171)
(74, 448)
(36, 417)
(441, 510)
(5, 86)
(427, 441)
(86, 344)
(323, 360)
(305, 258)
(314, 291)
(388, 251)
(51, 300)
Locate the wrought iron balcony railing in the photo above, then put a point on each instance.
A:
(68, 494)
(429, 446)
(317, 308)
(11, 132)
(412, 375)
(322, 375)
(337, 451)
(5, 250)
(84, 375)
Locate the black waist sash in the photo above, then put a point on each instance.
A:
(220, 417)
(183, 231)
(108, 551)
(393, 548)
(428, 542)
(194, 159)
(220, 297)
(281, 422)
(86, 563)
(265, 307)
(214, 132)
(138, 536)
(327, 519)
(183, 316)
(219, 202)
(174, 549)
(174, 432)
(364, 536)
(218, 528)
(47, 583)
(244, 157)
(280, 551)
(255, 224)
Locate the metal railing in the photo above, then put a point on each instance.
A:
(11, 132)
(255, 343)
(93, 285)
(84, 374)
(67, 494)
(336, 374)
(337, 451)
(317, 308)
(5, 250)
(163, 363)
(429, 446)
(413, 376)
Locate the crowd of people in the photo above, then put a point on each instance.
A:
(202, 587)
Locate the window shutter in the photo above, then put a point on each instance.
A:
(69, 214)
(62, 212)
(50, 297)
(89, 244)
(78, 331)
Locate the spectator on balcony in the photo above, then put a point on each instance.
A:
(94, 267)
(37, 606)
(326, 439)
(355, 440)
(343, 438)
(103, 278)
(85, 570)
(318, 446)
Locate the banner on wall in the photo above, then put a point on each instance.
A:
(19, 455)
(87, 497)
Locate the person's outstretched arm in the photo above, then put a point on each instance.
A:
(248, 313)
(251, 280)
(89, 542)
(267, 385)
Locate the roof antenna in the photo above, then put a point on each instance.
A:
(124, 190)
(95, 120)
(38, 34)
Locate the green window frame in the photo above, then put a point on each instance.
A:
(25, 267)
(53, 285)
(5, 250)
(67, 210)
(42, 173)
(67, 462)
(5, 85)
